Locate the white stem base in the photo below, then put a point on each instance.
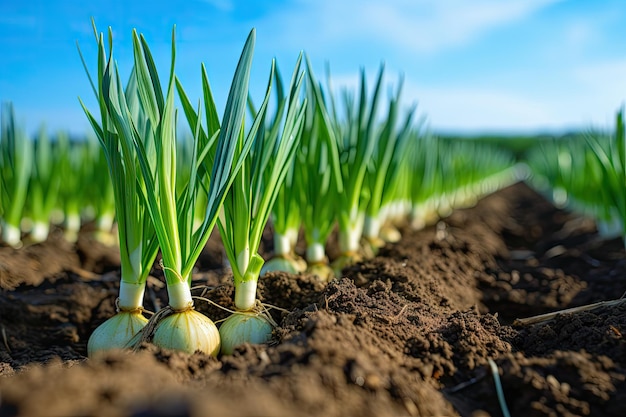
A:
(245, 295)
(40, 231)
(11, 235)
(72, 227)
(105, 222)
(179, 295)
(282, 244)
(349, 240)
(315, 253)
(371, 227)
(131, 295)
(292, 235)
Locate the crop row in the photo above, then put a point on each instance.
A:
(316, 161)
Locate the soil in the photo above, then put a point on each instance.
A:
(416, 331)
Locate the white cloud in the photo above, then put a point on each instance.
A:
(603, 75)
(475, 109)
(601, 86)
(416, 26)
(429, 26)
(524, 108)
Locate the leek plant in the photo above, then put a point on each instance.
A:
(136, 236)
(247, 209)
(318, 177)
(44, 186)
(16, 160)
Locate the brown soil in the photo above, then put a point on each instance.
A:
(411, 332)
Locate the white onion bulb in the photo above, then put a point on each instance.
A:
(281, 263)
(116, 332)
(188, 331)
(243, 328)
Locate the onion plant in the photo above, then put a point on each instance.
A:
(542, 158)
(221, 154)
(44, 186)
(424, 173)
(16, 160)
(136, 236)
(395, 205)
(318, 178)
(75, 166)
(219, 157)
(286, 222)
(455, 173)
(610, 164)
(384, 168)
(285, 214)
(568, 172)
(101, 194)
(356, 138)
(247, 209)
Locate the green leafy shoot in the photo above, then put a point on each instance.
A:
(612, 163)
(44, 186)
(285, 216)
(356, 145)
(74, 165)
(248, 204)
(226, 156)
(16, 160)
(318, 173)
(383, 169)
(136, 235)
(101, 193)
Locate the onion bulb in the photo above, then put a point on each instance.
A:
(322, 270)
(244, 327)
(344, 260)
(390, 233)
(284, 263)
(187, 331)
(116, 332)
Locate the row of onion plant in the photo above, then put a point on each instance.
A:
(363, 172)
(235, 175)
(556, 165)
(584, 173)
(16, 158)
(608, 169)
(51, 181)
(355, 163)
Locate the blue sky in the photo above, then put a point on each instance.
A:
(472, 66)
